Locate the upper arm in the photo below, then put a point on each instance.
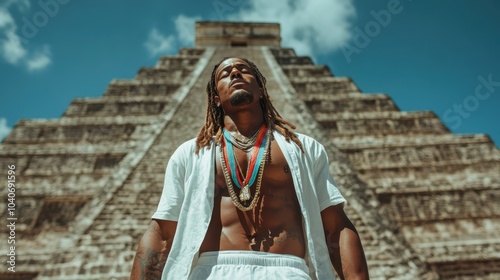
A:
(326, 191)
(172, 195)
(153, 250)
(334, 219)
(166, 229)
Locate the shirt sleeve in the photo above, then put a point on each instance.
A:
(326, 190)
(172, 195)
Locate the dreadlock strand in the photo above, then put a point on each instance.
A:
(214, 120)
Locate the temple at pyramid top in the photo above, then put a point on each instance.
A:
(237, 34)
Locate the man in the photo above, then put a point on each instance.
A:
(248, 198)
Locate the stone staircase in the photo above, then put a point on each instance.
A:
(440, 190)
(423, 200)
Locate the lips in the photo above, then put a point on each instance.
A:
(236, 82)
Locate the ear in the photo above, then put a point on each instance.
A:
(217, 100)
(261, 92)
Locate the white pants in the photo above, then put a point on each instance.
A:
(249, 265)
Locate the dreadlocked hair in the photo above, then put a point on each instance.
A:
(214, 120)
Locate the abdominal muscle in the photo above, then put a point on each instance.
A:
(274, 225)
(236, 230)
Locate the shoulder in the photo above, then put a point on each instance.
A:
(312, 147)
(188, 150)
(308, 143)
(306, 139)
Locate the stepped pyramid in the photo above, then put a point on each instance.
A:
(425, 201)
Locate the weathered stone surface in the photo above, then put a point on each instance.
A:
(324, 85)
(238, 34)
(176, 63)
(439, 189)
(383, 123)
(189, 52)
(159, 75)
(349, 103)
(135, 88)
(425, 201)
(102, 107)
(297, 60)
(306, 71)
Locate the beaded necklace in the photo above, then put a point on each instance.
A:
(255, 169)
(245, 144)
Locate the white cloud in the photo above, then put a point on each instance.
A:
(12, 48)
(159, 44)
(4, 129)
(310, 27)
(40, 59)
(6, 19)
(22, 5)
(185, 28)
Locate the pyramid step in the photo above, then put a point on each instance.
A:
(64, 184)
(73, 132)
(306, 71)
(326, 97)
(115, 106)
(441, 206)
(380, 141)
(438, 182)
(395, 157)
(468, 269)
(29, 272)
(482, 173)
(457, 240)
(191, 52)
(173, 62)
(294, 60)
(323, 85)
(461, 230)
(283, 52)
(380, 123)
(460, 251)
(351, 102)
(62, 163)
(139, 88)
(161, 75)
(101, 147)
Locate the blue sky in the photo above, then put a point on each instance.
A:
(441, 56)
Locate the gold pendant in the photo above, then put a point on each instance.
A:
(245, 193)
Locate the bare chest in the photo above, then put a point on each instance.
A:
(276, 183)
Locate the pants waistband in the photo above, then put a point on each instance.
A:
(251, 258)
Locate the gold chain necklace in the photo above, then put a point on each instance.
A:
(245, 144)
(245, 191)
(229, 183)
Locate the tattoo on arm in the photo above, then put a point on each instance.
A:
(151, 264)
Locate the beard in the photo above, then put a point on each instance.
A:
(241, 97)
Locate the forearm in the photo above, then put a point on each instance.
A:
(151, 255)
(346, 254)
(344, 244)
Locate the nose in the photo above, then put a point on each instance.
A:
(235, 73)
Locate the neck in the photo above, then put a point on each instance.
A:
(244, 123)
